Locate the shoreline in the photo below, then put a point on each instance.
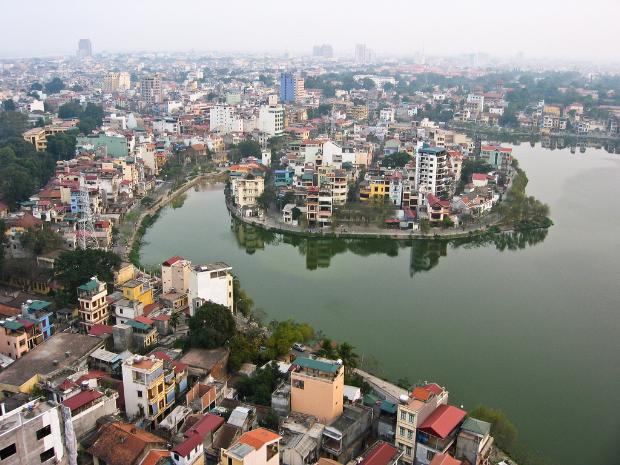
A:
(396, 234)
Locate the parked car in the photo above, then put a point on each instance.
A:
(298, 347)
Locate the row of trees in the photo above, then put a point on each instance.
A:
(90, 116)
(520, 210)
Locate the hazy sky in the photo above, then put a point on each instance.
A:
(552, 28)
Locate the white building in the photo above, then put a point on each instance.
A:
(431, 170)
(170, 125)
(271, 117)
(247, 190)
(31, 433)
(224, 120)
(212, 282)
(386, 115)
(143, 387)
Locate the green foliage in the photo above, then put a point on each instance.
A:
(257, 389)
(245, 347)
(396, 160)
(12, 124)
(243, 302)
(8, 105)
(211, 326)
(447, 222)
(271, 420)
(284, 334)
(41, 240)
(520, 210)
(147, 201)
(404, 383)
(368, 84)
(36, 86)
(22, 169)
(471, 166)
(2, 240)
(267, 197)
(502, 429)
(74, 268)
(71, 109)
(54, 86)
(62, 145)
(425, 225)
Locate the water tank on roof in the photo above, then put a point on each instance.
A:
(404, 398)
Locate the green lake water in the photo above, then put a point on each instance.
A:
(527, 323)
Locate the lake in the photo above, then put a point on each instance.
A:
(528, 323)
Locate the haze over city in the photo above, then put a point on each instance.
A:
(566, 30)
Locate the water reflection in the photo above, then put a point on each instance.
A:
(424, 254)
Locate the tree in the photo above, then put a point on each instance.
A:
(211, 326)
(346, 353)
(271, 420)
(74, 268)
(284, 334)
(36, 86)
(8, 105)
(257, 389)
(396, 160)
(243, 302)
(54, 86)
(425, 225)
(266, 198)
(175, 319)
(471, 166)
(368, 84)
(447, 222)
(71, 109)
(12, 124)
(328, 349)
(77, 88)
(62, 145)
(249, 148)
(41, 240)
(502, 429)
(2, 240)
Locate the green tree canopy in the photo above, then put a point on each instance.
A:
(54, 86)
(257, 389)
(74, 268)
(8, 105)
(41, 240)
(62, 145)
(36, 86)
(211, 326)
(12, 124)
(502, 429)
(284, 334)
(71, 109)
(396, 160)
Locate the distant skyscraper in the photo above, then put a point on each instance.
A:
(362, 54)
(287, 87)
(325, 51)
(85, 48)
(151, 90)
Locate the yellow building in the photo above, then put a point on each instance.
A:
(125, 273)
(138, 291)
(317, 387)
(375, 189)
(93, 303)
(38, 136)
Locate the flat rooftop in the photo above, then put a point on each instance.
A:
(64, 348)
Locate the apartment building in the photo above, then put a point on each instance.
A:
(256, 447)
(211, 282)
(317, 387)
(144, 388)
(138, 290)
(175, 275)
(13, 339)
(116, 81)
(412, 412)
(271, 117)
(431, 170)
(497, 156)
(247, 190)
(93, 305)
(38, 136)
(151, 90)
(31, 434)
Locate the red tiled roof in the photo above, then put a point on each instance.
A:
(172, 260)
(381, 453)
(258, 438)
(100, 330)
(479, 177)
(206, 424)
(421, 393)
(81, 399)
(187, 446)
(179, 367)
(122, 443)
(434, 387)
(92, 374)
(444, 459)
(150, 307)
(154, 456)
(443, 420)
(144, 319)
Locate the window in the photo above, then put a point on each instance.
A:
(430, 454)
(45, 431)
(408, 451)
(411, 418)
(402, 431)
(8, 451)
(48, 454)
(403, 415)
(409, 434)
(298, 384)
(139, 393)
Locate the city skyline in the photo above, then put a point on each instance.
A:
(551, 29)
